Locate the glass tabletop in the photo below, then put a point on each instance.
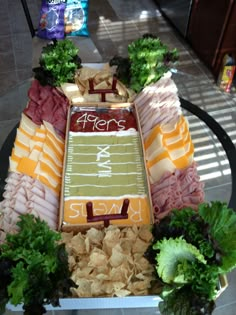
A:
(214, 153)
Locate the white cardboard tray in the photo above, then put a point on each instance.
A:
(100, 303)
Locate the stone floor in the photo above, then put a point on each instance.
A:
(113, 24)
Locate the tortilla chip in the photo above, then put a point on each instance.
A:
(145, 233)
(66, 237)
(117, 257)
(122, 272)
(82, 272)
(86, 73)
(84, 287)
(72, 262)
(102, 79)
(97, 288)
(111, 238)
(139, 246)
(97, 258)
(95, 236)
(110, 262)
(78, 244)
(122, 293)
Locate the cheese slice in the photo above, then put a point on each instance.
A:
(45, 168)
(22, 146)
(56, 138)
(35, 154)
(27, 124)
(24, 132)
(27, 166)
(56, 169)
(168, 147)
(38, 152)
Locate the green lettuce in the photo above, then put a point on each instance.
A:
(174, 257)
(190, 275)
(37, 267)
(184, 301)
(222, 229)
(58, 62)
(150, 59)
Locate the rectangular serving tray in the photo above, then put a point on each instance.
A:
(150, 301)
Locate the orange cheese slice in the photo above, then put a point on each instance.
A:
(27, 166)
(24, 131)
(38, 152)
(14, 157)
(168, 147)
(47, 169)
(55, 138)
(22, 145)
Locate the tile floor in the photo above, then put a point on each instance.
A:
(113, 24)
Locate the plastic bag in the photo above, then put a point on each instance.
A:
(51, 23)
(76, 18)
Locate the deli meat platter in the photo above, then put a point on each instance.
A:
(102, 171)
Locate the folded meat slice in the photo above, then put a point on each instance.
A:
(177, 190)
(34, 90)
(47, 104)
(8, 222)
(158, 104)
(23, 194)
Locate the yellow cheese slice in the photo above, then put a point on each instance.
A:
(27, 124)
(46, 169)
(56, 138)
(22, 146)
(27, 166)
(168, 147)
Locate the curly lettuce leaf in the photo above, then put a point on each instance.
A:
(222, 225)
(185, 301)
(149, 60)
(38, 264)
(58, 62)
(18, 285)
(173, 253)
(202, 278)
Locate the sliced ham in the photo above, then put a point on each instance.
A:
(42, 211)
(23, 194)
(158, 104)
(176, 191)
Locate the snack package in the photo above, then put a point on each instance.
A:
(226, 76)
(76, 18)
(51, 22)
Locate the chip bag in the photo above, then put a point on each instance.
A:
(76, 18)
(51, 22)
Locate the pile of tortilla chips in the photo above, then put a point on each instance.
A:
(78, 92)
(110, 262)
